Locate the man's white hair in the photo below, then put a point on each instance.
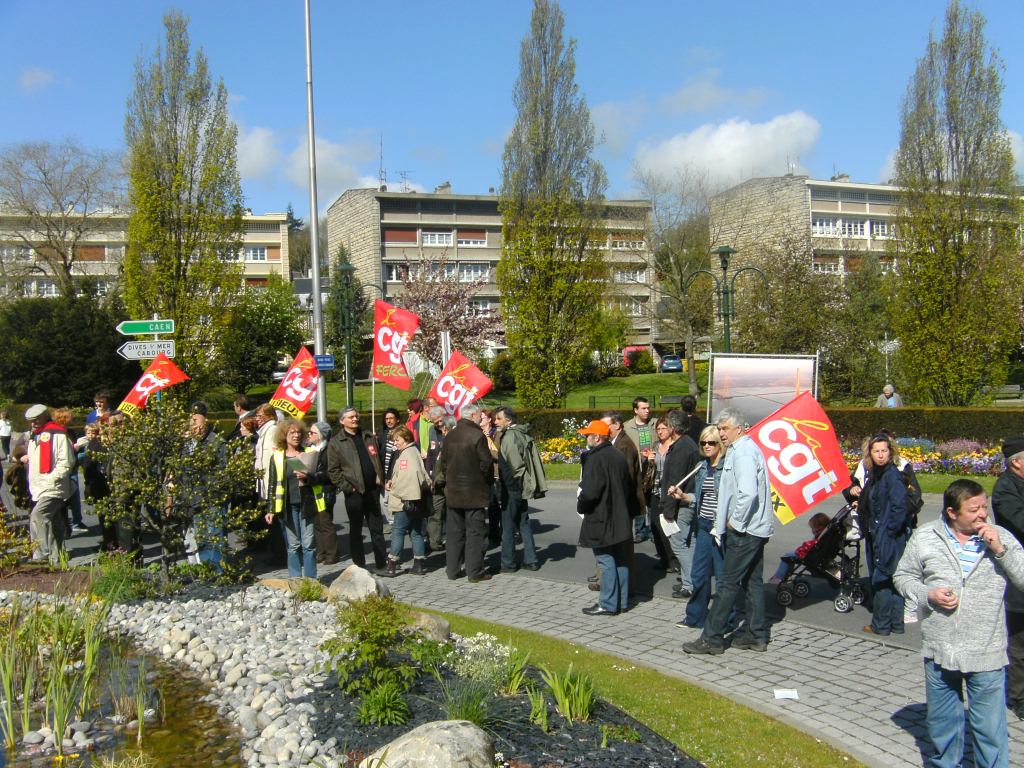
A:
(732, 416)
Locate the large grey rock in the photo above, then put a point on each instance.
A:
(356, 583)
(432, 627)
(441, 744)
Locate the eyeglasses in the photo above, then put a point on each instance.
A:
(709, 442)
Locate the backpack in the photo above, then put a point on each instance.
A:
(535, 478)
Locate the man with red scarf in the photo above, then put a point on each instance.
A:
(49, 480)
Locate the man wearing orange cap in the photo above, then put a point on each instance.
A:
(607, 501)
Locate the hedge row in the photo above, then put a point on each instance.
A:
(990, 425)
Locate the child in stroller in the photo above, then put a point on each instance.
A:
(831, 555)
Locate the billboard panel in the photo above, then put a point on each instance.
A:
(758, 385)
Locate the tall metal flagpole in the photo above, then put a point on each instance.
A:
(314, 231)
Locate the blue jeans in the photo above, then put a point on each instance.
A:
(611, 561)
(682, 547)
(210, 527)
(300, 541)
(415, 527)
(707, 561)
(515, 517)
(742, 570)
(642, 525)
(986, 709)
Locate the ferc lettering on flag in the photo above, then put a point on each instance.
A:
(392, 330)
(805, 463)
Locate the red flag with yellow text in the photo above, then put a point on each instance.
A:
(297, 389)
(459, 384)
(805, 463)
(392, 329)
(160, 374)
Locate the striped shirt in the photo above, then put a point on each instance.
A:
(969, 553)
(708, 497)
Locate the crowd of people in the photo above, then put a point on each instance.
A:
(700, 492)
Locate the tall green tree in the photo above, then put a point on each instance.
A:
(338, 324)
(958, 289)
(551, 205)
(185, 229)
(265, 324)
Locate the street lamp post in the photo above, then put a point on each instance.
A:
(725, 290)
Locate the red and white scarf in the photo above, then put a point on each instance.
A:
(45, 436)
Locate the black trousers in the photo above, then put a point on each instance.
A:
(365, 507)
(467, 540)
(1015, 650)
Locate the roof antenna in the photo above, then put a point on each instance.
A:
(382, 175)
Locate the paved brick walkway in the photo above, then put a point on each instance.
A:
(864, 697)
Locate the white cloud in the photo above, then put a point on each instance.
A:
(1017, 145)
(888, 170)
(617, 121)
(35, 78)
(258, 155)
(703, 94)
(735, 150)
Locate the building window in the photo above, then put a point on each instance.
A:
(435, 270)
(827, 267)
(113, 253)
(102, 287)
(470, 272)
(853, 196)
(472, 238)
(46, 288)
(395, 273)
(400, 237)
(255, 253)
(882, 229)
(631, 275)
(480, 307)
(436, 238)
(15, 253)
(851, 228)
(822, 193)
(825, 225)
(886, 266)
(262, 226)
(625, 242)
(631, 306)
(886, 198)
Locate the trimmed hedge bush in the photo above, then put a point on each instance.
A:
(988, 425)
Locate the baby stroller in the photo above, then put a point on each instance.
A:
(835, 558)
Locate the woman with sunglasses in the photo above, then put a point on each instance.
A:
(707, 556)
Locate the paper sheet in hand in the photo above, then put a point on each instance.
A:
(668, 527)
(304, 463)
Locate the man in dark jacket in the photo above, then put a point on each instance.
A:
(1008, 508)
(680, 460)
(353, 464)
(465, 472)
(607, 501)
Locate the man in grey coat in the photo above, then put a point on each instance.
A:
(957, 570)
(1008, 509)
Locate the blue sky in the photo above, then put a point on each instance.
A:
(733, 89)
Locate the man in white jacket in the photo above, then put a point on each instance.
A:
(957, 569)
(49, 480)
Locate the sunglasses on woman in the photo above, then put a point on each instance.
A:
(709, 442)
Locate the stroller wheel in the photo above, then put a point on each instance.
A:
(858, 597)
(801, 588)
(784, 596)
(844, 604)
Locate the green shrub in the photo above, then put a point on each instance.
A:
(640, 361)
(515, 672)
(383, 704)
(618, 733)
(309, 591)
(364, 652)
(501, 373)
(467, 700)
(573, 693)
(988, 425)
(116, 578)
(538, 708)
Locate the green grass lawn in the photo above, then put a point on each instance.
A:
(562, 471)
(939, 483)
(709, 727)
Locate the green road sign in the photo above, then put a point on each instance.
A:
(141, 327)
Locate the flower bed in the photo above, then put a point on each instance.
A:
(956, 457)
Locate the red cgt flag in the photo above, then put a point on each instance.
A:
(460, 383)
(392, 329)
(297, 389)
(805, 463)
(160, 374)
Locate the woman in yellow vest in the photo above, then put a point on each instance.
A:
(294, 498)
(405, 503)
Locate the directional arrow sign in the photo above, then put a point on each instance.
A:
(141, 327)
(146, 350)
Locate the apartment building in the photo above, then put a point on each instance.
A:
(23, 272)
(388, 233)
(838, 221)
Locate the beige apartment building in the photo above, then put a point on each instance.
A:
(23, 272)
(387, 233)
(836, 220)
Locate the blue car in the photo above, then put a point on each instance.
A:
(671, 364)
